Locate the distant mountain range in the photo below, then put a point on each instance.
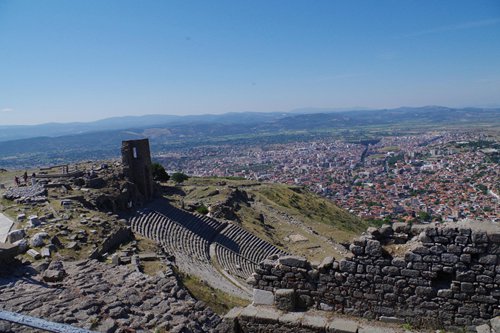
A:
(50, 143)
(14, 132)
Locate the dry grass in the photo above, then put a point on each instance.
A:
(215, 299)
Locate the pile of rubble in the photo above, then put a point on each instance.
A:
(35, 193)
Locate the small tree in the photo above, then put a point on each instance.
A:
(179, 177)
(159, 172)
(202, 209)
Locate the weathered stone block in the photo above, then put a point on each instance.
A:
(484, 299)
(15, 235)
(262, 297)
(356, 250)
(347, 266)
(424, 291)
(453, 248)
(373, 248)
(45, 252)
(484, 279)
(421, 250)
(420, 266)
(249, 312)
(437, 249)
(410, 272)
(314, 322)
(22, 245)
(494, 237)
(479, 237)
(431, 258)
(293, 261)
(445, 293)
(34, 254)
(466, 258)
(51, 275)
(468, 276)
(398, 262)
(449, 258)
(327, 263)
(373, 329)
(292, 318)
(390, 270)
(467, 287)
(431, 232)
(485, 328)
(495, 324)
(360, 241)
(339, 325)
(462, 240)
(285, 299)
(469, 309)
(267, 315)
(490, 259)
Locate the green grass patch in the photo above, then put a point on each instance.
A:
(310, 206)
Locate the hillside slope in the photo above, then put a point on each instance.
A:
(291, 218)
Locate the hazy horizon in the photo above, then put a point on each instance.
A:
(84, 61)
(290, 112)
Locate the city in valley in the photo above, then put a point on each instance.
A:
(436, 176)
(250, 166)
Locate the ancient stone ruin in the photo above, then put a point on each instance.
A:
(427, 276)
(136, 160)
(197, 241)
(102, 298)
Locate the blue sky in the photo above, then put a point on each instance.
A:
(86, 60)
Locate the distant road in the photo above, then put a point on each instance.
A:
(5, 225)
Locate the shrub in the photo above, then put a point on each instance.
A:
(159, 172)
(179, 177)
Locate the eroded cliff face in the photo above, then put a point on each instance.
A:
(431, 276)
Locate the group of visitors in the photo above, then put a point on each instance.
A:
(17, 180)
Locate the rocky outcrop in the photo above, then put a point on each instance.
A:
(36, 192)
(232, 204)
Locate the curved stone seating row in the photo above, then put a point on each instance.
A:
(201, 225)
(180, 239)
(233, 263)
(170, 234)
(188, 237)
(246, 244)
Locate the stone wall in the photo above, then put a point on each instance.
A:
(430, 276)
(114, 240)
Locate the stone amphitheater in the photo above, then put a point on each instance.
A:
(221, 253)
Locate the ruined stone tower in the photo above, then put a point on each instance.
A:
(136, 159)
